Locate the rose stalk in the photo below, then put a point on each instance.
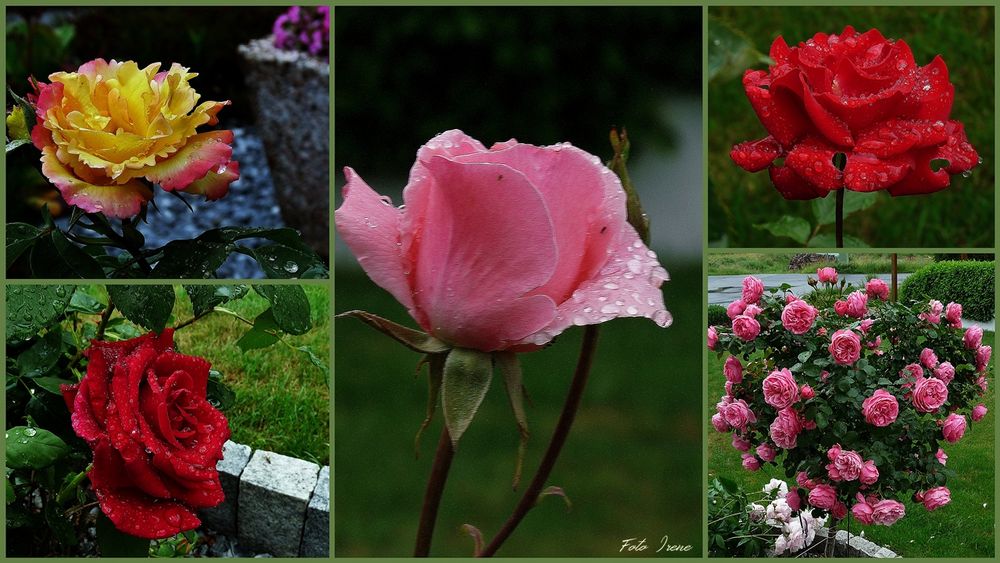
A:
(496, 252)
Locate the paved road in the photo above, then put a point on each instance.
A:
(723, 290)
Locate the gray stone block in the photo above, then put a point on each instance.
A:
(274, 495)
(316, 533)
(222, 518)
(885, 553)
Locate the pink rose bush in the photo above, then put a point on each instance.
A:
(504, 248)
(864, 426)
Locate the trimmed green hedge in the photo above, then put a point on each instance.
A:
(967, 282)
(717, 315)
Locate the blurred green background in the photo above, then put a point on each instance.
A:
(632, 465)
(959, 216)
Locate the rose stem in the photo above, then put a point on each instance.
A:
(432, 496)
(840, 218)
(573, 397)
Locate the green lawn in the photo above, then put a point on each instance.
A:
(964, 528)
(727, 263)
(960, 216)
(632, 459)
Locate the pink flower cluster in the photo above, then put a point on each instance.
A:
(785, 376)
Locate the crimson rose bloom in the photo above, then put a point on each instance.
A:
(860, 95)
(156, 439)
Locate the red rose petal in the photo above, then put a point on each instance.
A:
(792, 186)
(779, 51)
(141, 516)
(754, 156)
(896, 136)
(781, 114)
(812, 160)
(932, 94)
(169, 362)
(922, 180)
(83, 421)
(867, 173)
(826, 122)
(69, 394)
(108, 470)
(956, 150)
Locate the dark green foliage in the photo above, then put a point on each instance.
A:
(970, 283)
(717, 315)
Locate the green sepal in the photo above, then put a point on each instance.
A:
(467, 376)
(413, 339)
(635, 216)
(435, 369)
(510, 368)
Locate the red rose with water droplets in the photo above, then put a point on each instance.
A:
(860, 95)
(156, 439)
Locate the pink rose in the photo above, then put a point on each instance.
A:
(767, 452)
(798, 316)
(713, 337)
(912, 371)
(865, 325)
(729, 388)
(789, 297)
(827, 275)
(928, 358)
(720, 423)
(862, 511)
(780, 389)
(806, 392)
(869, 473)
(973, 337)
(794, 499)
(821, 331)
(953, 427)
(804, 481)
(833, 452)
(733, 370)
(740, 443)
(877, 288)
(978, 412)
(945, 372)
(738, 414)
(936, 498)
(752, 310)
(736, 308)
(887, 512)
(874, 344)
(953, 314)
(753, 288)
(934, 310)
(823, 496)
(982, 383)
(941, 457)
(983, 354)
(846, 466)
(750, 463)
(881, 409)
(504, 248)
(857, 304)
(845, 347)
(785, 429)
(929, 394)
(840, 307)
(746, 328)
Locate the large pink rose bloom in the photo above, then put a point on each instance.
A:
(936, 498)
(736, 308)
(857, 304)
(823, 496)
(845, 347)
(733, 370)
(738, 414)
(846, 466)
(780, 389)
(877, 288)
(506, 247)
(798, 316)
(881, 409)
(785, 429)
(887, 512)
(953, 314)
(929, 394)
(746, 328)
(953, 427)
(983, 354)
(973, 337)
(753, 288)
(827, 275)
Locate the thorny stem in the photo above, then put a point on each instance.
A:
(573, 397)
(432, 496)
(840, 218)
(105, 317)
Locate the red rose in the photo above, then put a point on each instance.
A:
(156, 439)
(860, 95)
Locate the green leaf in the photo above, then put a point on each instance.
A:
(20, 237)
(281, 262)
(81, 302)
(31, 307)
(51, 383)
(205, 297)
(314, 359)
(114, 543)
(290, 305)
(261, 334)
(467, 376)
(219, 394)
(413, 339)
(148, 306)
(510, 368)
(730, 52)
(805, 355)
(16, 143)
(42, 355)
(795, 228)
(825, 208)
(56, 257)
(61, 527)
(33, 448)
(828, 240)
(192, 258)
